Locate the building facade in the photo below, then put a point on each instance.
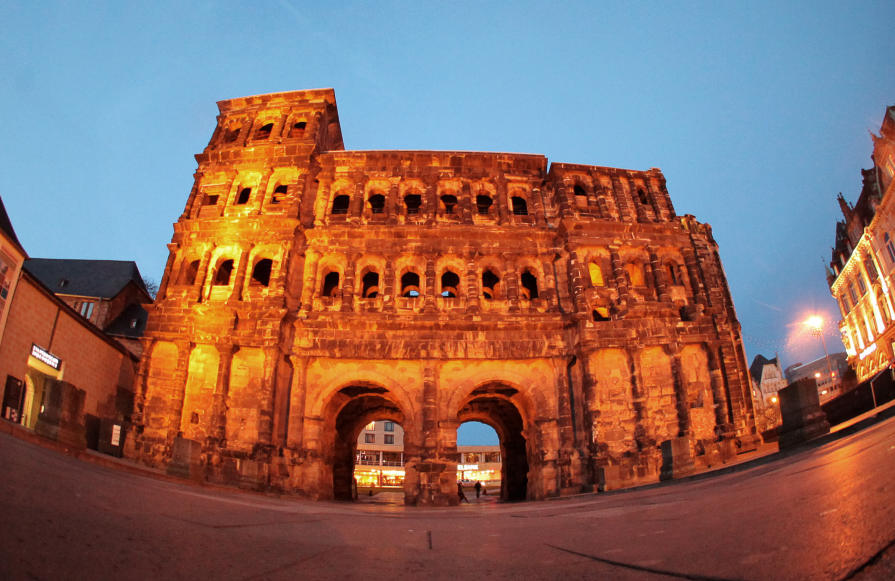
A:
(828, 372)
(863, 261)
(311, 290)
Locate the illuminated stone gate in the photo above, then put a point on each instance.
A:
(310, 290)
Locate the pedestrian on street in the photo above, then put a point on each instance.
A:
(478, 489)
(461, 494)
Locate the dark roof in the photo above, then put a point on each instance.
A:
(88, 278)
(121, 326)
(758, 365)
(6, 227)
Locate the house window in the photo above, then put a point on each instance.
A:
(890, 248)
(86, 309)
(369, 438)
(189, 272)
(389, 438)
(231, 134)
(641, 195)
(580, 197)
(340, 204)
(672, 274)
(389, 426)
(520, 206)
(297, 129)
(861, 285)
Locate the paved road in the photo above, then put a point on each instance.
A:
(824, 513)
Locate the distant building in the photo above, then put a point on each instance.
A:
(828, 372)
(379, 460)
(767, 379)
(863, 261)
(108, 293)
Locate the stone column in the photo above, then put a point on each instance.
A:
(429, 297)
(266, 408)
(239, 279)
(262, 189)
(550, 285)
(388, 294)
(309, 285)
(178, 383)
(218, 426)
(473, 301)
(884, 286)
(501, 198)
(391, 204)
(202, 276)
(719, 399)
(680, 391)
(348, 285)
(297, 391)
(562, 196)
(576, 284)
(622, 200)
(430, 199)
(511, 283)
(356, 207)
(618, 274)
(660, 279)
(466, 203)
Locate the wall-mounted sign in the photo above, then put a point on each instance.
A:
(467, 467)
(45, 357)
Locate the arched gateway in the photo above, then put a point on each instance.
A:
(310, 290)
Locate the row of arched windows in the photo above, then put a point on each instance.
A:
(293, 129)
(413, 202)
(244, 196)
(223, 272)
(449, 284)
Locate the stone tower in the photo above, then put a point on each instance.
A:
(311, 290)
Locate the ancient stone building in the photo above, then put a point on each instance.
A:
(311, 290)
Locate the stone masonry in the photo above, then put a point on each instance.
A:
(310, 290)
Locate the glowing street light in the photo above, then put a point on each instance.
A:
(815, 324)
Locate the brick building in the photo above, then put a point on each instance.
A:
(311, 290)
(862, 267)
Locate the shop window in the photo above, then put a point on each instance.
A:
(279, 194)
(389, 426)
(377, 203)
(490, 282)
(450, 282)
(261, 272)
(264, 131)
(389, 439)
(340, 204)
(222, 277)
(331, 284)
(520, 206)
(244, 195)
(529, 286)
(483, 204)
(369, 438)
(410, 285)
(210, 200)
(370, 283)
(596, 275)
(413, 202)
(448, 203)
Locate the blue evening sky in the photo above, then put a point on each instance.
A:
(757, 112)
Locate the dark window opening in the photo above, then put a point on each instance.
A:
(449, 202)
(410, 285)
(340, 204)
(642, 196)
(279, 193)
(579, 191)
(189, 273)
(672, 274)
(389, 426)
(389, 439)
(489, 284)
(413, 202)
(377, 203)
(520, 207)
(601, 314)
(685, 314)
(264, 131)
(211, 200)
(580, 197)
(230, 135)
(331, 284)
(370, 283)
(449, 284)
(297, 129)
(244, 196)
(529, 286)
(222, 278)
(369, 438)
(483, 204)
(261, 272)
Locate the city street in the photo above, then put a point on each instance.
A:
(822, 513)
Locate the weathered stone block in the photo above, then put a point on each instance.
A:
(802, 418)
(186, 460)
(677, 458)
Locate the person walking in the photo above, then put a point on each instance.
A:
(478, 489)
(461, 494)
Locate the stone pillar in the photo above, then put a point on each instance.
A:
(716, 378)
(550, 285)
(309, 285)
(262, 190)
(511, 283)
(576, 284)
(348, 285)
(202, 276)
(294, 435)
(266, 408)
(356, 207)
(501, 198)
(221, 391)
(562, 196)
(429, 297)
(388, 294)
(801, 414)
(473, 301)
(391, 204)
(322, 202)
(430, 199)
(660, 279)
(622, 200)
(178, 382)
(618, 274)
(680, 391)
(434, 481)
(651, 195)
(466, 203)
(239, 279)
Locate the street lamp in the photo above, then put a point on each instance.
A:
(816, 325)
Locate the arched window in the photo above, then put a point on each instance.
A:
(370, 283)
(635, 273)
(600, 314)
(297, 129)
(641, 195)
(580, 196)
(410, 285)
(222, 277)
(243, 197)
(490, 282)
(520, 206)
(261, 272)
(596, 275)
(330, 284)
(340, 204)
(413, 202)
(188, 273)
(483, 204)
(450, 282)
(448, 202)
(377, 203)
(264, 131)
(529, 285)
(279, 193)
(672, 274)
(231, 133)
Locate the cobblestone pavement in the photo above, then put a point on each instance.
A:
(825, 512)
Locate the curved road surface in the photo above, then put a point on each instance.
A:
(822, 513)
